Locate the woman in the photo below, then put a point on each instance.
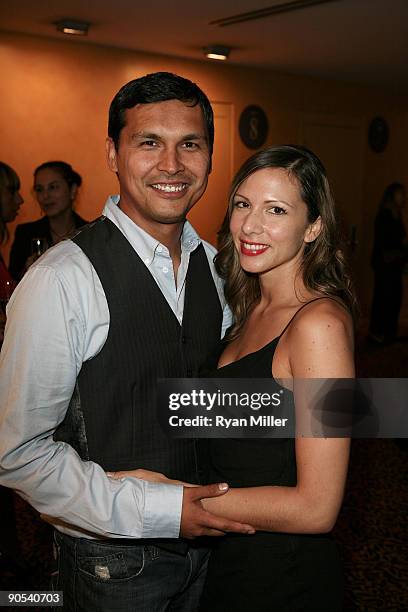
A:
(286, 283)
(56, 186)
(10, 202)
(288, 289)
(390, 254)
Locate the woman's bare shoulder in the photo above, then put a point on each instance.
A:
(321, 340)
(326, 315)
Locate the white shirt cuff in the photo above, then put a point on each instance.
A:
(162, 515)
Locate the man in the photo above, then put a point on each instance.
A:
(132, 298)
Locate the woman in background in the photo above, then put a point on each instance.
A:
(10, 202)
(56, 187)
(390, 254)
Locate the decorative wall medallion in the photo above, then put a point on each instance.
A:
(253, 127)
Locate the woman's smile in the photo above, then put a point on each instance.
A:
(252, 249)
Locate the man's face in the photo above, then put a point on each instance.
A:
(162, 162)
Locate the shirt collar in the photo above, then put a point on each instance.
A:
(144, 244)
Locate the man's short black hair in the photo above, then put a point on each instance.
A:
(158, 87)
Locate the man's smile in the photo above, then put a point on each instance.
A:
(170, 187)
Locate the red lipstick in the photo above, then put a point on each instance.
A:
(252, 248)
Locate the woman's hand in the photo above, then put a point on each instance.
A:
(147, 475)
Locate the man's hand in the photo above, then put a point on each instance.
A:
(195, 521)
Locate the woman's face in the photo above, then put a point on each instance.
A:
(269, 222)
(10, 201)
(53, 193)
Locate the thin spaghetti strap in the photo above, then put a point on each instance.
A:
(323, 297)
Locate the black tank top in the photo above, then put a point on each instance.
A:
(252, 462)
(266, 571)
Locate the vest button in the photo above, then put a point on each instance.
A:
(183, 339)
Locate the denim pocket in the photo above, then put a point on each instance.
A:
(124, 564)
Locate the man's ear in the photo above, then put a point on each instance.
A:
(313, 230)
(111, 155)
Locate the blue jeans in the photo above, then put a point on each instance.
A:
(105, 576)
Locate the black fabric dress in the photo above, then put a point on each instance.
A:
(266, 571)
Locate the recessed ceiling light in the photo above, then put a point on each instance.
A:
(73, 27)
(217, 52)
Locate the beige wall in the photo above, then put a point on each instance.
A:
(56, 95)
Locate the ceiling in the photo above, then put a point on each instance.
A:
(360, 41)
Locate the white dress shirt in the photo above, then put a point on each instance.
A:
(58, 318)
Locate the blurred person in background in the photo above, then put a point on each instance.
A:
(10, 202)
(56, 186)
(389, 256)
